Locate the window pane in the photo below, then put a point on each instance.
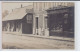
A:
(29, 18)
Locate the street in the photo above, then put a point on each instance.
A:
(14, 41)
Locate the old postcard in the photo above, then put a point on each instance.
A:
(38, 25)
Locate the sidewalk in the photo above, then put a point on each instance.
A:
(44, 37)
(51, 37)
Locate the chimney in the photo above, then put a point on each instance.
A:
(21, 5)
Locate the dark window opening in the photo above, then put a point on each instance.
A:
(29, 18)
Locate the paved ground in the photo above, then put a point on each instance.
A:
(13, 41)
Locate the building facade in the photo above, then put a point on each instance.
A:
(46, 18)
(20, 20)
(42, 18)
(60, 21)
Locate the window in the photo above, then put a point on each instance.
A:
(29, 18)
(65, 18)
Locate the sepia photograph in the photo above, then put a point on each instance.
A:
(38, 25)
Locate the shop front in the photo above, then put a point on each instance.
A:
(61, 20)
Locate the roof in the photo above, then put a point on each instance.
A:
(18, 13)
(59, 7)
